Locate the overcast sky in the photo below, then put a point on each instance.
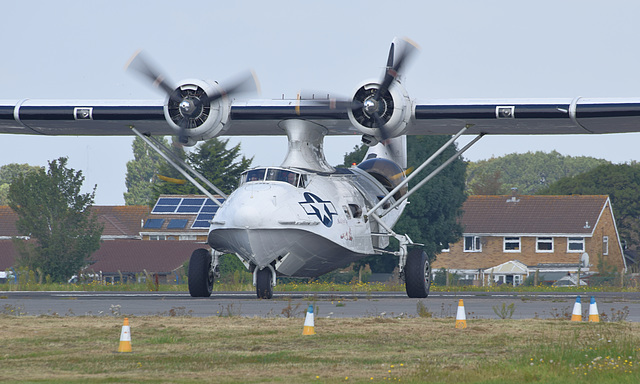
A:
(470, 49)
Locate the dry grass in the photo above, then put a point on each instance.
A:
(238, 349)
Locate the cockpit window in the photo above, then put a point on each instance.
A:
(255, 175)
(274, 174)
(283, 175)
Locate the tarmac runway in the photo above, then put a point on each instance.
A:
(478, 305)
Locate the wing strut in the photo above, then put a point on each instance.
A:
(181, 166)
(432, 174)
(420, 168)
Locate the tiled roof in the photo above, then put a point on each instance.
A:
(122, 221)
(175, 223)
(137, 255)
(532, 214)
(7, 254)
(126, 256)
(118, 221)
(8, 222)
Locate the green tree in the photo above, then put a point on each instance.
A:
(488, 184)
(10, 172)
(52, 211)
(142, 172)
(354, 157)
(621, 182)
(529, 172)
(431, 218)
(214, 161)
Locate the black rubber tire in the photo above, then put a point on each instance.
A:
(417, 274)
(264, 289)
(200, 274)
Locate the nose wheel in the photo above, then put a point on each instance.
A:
(264, 283)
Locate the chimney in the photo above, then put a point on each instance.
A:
(514, 196)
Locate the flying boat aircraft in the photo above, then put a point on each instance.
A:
(304, 218)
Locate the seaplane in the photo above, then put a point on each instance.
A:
(304, 217)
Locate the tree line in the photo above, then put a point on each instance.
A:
(57, 217)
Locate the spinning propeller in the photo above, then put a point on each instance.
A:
(189, 105)
(376, 101)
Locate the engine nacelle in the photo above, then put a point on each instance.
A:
(191, 114)
(394, 109)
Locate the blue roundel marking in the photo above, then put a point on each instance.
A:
(323, 210)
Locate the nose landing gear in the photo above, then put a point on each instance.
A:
(264, 280)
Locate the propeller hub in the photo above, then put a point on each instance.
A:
(370, 106)
(186, 106)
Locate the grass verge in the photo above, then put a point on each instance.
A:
(255, 350)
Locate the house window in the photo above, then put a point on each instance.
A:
(544, 244)
(575, 244)
(605, 245)
(511, 244)
(472, 244)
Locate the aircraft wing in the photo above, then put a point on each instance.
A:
(527, 117)
(262, 117)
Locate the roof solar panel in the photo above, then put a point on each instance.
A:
(188, 209)
(153, 223)
(168, 201)
(203, 220)
(193, 201)
(187, 205)
(164, 209)
(177, 224)
(209, 209)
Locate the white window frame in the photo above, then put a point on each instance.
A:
(605, 245)
(575, 240)
(476, 244)
(545, 240)
(511, 239)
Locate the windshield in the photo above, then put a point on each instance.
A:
(255, 175)
(274, 174)
(283, 175)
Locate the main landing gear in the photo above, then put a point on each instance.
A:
(417, 274)
(414, 268)
(203, 270)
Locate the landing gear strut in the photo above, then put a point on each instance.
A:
(414, 268)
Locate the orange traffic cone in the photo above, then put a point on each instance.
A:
(594, 317)
(577, 310)
(308, 323)
(125, 337)
(461, 318)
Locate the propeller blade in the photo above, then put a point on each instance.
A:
(394, 67)
(143, 66)
(243, 83)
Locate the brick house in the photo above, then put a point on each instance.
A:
(555, 235)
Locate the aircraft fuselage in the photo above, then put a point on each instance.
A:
(302, 223)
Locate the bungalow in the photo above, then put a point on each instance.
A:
(511, 237)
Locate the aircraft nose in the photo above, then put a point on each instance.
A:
(247, 216)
